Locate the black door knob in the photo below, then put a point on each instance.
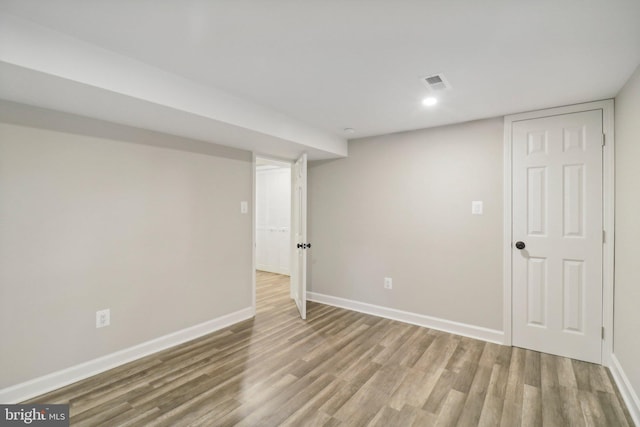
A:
(520, 245)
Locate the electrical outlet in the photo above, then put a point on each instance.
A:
(476, 207)
(103, 318)
(388, 283)
(244, 207)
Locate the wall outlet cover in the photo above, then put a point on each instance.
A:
(103, 318)
(476, 207)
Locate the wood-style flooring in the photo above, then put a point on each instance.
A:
(342, 368)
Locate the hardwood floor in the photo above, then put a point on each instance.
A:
(342, 368)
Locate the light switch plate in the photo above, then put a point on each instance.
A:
(244, 207)
(476, 207)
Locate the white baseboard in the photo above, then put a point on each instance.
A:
(626, 389)
(471, 331)
(35, 387)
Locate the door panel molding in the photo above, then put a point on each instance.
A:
(572, 143)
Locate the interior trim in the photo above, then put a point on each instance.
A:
(626, 389)
(457, 328)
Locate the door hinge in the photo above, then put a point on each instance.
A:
(604, 237)
(602, 333)
(604, 140)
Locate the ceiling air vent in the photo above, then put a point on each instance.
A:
(436, 83)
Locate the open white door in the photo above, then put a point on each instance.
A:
(299, 235)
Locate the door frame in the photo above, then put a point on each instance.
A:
(608, 206)
(274, 159)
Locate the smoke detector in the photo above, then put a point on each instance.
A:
(436, 82)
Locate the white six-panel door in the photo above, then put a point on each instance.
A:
(557, 215)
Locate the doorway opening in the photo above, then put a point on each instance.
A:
(273, 216)
(280, 236)
(272, 225)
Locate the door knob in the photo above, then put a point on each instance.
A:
(520, 245)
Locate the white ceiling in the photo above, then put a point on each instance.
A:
(333, 64)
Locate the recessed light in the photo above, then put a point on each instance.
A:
(349, 130)
(429, 101)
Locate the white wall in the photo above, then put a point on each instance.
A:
(627, 274)
(400, 206)
(86, 223)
